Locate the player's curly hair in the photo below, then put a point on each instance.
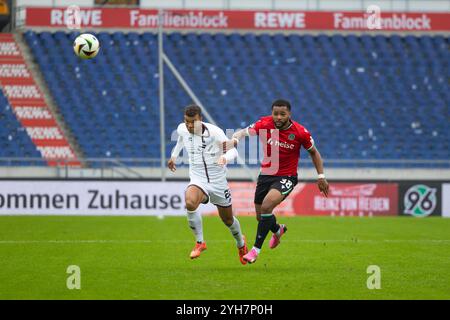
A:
(192, 110)
(281, 103)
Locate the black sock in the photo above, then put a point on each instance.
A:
(264, 225)
(275, 227)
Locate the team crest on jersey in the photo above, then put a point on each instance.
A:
(291, 136)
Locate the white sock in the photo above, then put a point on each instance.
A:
(195, 223)
(235, 230)
(258, 250)
(278, 233)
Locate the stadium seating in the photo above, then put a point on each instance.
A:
(14, 140)
(362, 97)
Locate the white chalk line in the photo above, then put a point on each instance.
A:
(112, 241)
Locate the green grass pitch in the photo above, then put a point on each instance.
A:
(147, 258)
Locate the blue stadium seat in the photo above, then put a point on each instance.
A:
(15, 142)
(361, 96)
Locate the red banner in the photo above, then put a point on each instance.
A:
(344, 199)
(233, 19)
(347, 199)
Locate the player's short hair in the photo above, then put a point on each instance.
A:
(281, 103)
(192, 110)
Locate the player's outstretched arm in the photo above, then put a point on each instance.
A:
(238, 135)
(171, 164)
(316, 158)
(174, 155)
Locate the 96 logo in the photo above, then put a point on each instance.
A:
(420, 200)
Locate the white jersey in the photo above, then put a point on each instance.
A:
(204, 150)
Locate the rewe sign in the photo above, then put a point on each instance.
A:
(233, 20)
(280, 20)
(62, 17)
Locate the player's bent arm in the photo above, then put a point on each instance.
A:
(227, 157)
(316, 159)
(318, 163)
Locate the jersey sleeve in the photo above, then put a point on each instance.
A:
(179, 146)
(307, 140)
(219, 135)
(254, 128)
(222, 139)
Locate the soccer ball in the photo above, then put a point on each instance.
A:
(86, 46)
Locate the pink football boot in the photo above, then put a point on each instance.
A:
(251, 256)
(275, 240)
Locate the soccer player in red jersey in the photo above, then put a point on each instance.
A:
(282, 139)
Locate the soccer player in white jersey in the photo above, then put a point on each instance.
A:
(207, 146)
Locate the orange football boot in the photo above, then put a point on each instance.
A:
(243, 251)
(199, 247)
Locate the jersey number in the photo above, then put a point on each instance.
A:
(286, 184)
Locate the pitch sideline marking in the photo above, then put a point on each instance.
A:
(437, 241)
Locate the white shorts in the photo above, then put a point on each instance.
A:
(217, 191)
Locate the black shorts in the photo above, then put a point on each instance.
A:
(284, 184)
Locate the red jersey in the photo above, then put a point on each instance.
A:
(281, 147)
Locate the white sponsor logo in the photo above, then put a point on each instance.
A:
(374, 204)
(362, 190)
(74, 18)
(56, 152)
(395, 22)
(9, 49)
(24, 112)
(172, 20)
(14, 71)
(291, 20)
(48, 133)
(93, 198)
(22, 91)
(280, 144)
